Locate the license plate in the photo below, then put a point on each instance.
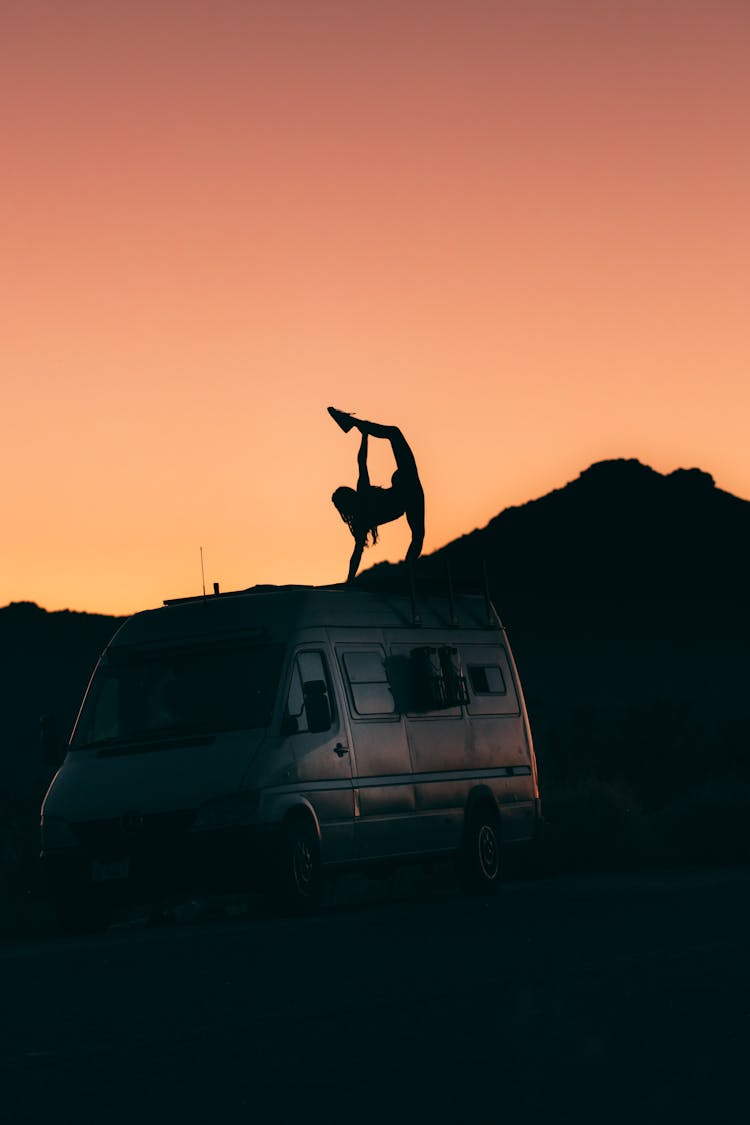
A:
(103, 870)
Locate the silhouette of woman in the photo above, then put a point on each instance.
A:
(364, 508)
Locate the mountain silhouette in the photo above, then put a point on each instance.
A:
(619, 530)
(626, 602)
(625, 597)
(46, 661)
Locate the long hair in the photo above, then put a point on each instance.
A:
(349, 506)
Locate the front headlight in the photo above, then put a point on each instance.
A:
(56, 833)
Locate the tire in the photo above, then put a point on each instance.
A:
(479, 867)
(299, 878)
(81, 912)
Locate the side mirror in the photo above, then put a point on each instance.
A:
(51, 741)
(289, 724)
(317, 707)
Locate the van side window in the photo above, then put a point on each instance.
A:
(309, 706)
(368, 682)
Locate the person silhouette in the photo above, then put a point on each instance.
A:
(363, 509)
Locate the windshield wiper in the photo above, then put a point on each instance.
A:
(154, 745)
(130, 739)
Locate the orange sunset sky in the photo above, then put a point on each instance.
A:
(518, 229)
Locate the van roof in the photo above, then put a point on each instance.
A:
(280, 610)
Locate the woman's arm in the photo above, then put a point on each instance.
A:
(354, 561)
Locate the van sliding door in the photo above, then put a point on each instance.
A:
(385, 826)
(429, 684)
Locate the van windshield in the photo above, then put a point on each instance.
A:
(159, 693)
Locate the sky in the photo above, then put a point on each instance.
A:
(516, 229)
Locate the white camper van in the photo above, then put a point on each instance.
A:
(267, 738)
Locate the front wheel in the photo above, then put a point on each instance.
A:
(479, 857)
(299, 878)
(82, 912)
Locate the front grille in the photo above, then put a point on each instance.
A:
(134, 833)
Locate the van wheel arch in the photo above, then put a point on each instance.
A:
(479, 866)
(297, 874)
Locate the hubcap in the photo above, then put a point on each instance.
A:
(488, 852)
(303, 866)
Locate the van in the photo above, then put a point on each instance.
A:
(269, 738)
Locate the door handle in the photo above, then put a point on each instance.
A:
(340, 749)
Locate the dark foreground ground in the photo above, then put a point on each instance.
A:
(606, 998)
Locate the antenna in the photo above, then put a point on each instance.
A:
(203, 574)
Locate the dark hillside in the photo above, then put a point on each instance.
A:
(620, 530)
(625, 598)
(46, 661)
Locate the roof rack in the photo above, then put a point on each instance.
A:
(266, 588)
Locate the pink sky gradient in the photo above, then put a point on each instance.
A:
(518, 230)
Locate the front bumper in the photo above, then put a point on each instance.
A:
(209, 860)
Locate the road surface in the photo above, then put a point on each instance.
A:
(591, 997)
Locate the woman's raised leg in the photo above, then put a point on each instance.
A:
(401, 451)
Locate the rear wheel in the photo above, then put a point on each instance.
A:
(299, 877)
(479, 857)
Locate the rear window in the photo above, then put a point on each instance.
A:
(490, 680)
(487, 679)
(151, 694)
